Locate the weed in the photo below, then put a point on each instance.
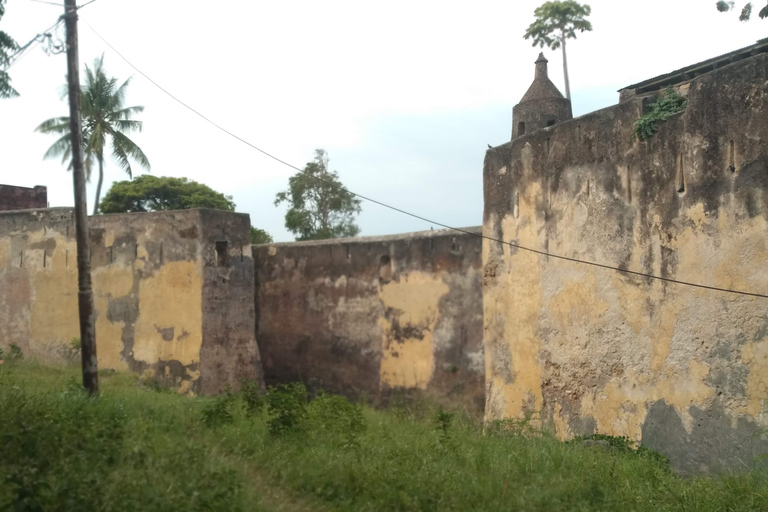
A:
(219, 411)
(15, 353)
(252, 397)
(335, 415)
(287, 408)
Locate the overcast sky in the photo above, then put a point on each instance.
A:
(405, 96)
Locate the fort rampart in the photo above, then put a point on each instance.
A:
(173, 292)
(372, 315)
(680, 368)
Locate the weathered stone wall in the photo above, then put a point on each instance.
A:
(682, 369)
(368, 316)
(22, 198)
(155, 281)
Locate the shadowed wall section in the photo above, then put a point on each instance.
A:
(682, 369)
(369, 316)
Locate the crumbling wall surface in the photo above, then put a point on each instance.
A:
(22, 198)
(147, 276)
(682, 369)
(163, 307)
(229, 352)
(38, 282)
(368, 316)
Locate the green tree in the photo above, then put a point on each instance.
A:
(555, 22)
(319, 206)
(259, 236)
(7, 47)
(149, 193)
(746, 11)
(105, 122)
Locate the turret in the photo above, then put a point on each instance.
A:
(542, 105)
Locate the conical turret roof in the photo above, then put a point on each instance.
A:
(542, 87)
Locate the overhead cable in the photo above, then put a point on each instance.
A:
(416, 216)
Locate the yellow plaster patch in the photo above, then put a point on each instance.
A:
(170, 298)
(697, 215)
(755, 355)
(620, 408)
(53, 308)
(410, 362)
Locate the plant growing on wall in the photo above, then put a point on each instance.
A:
(555, 22)
(105, 122)
(669, 102)
(746, 11)
(7, 45)
(319, 206)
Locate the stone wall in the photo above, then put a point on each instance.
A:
(22, 198)
(368, 316)
(156, 278)
(682, 369)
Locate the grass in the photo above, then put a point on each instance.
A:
(137, 448)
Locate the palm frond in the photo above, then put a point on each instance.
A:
(54, 125)
(122, 148)
(126, 125)
(59, 148)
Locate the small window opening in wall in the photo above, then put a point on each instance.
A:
(136, 250)
(67, 230)
(520, 128)
(385, 269)
(221, 254)
(66, 258)
(551, 122)
(629, 184)
(681, 177)
(453, 243)
(731, 157)
(45, 259)
(110, 254)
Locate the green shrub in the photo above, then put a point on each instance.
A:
(15, 353)
(287, 408)
(669, 102)
(219, 411)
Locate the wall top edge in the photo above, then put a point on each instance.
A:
(473, 230)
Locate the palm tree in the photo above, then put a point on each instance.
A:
(105, 120)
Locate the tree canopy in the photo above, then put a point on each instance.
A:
(746, 11)
(105, 123)
(319, 206)
(7, 47)
(147, 193)
(556, 22)
(259, 236)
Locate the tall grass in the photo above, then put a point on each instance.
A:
(135, 448)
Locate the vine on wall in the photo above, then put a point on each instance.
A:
(669, 102)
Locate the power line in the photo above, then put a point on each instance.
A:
(416, 216)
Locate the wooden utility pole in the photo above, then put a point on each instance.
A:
(84, 288)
